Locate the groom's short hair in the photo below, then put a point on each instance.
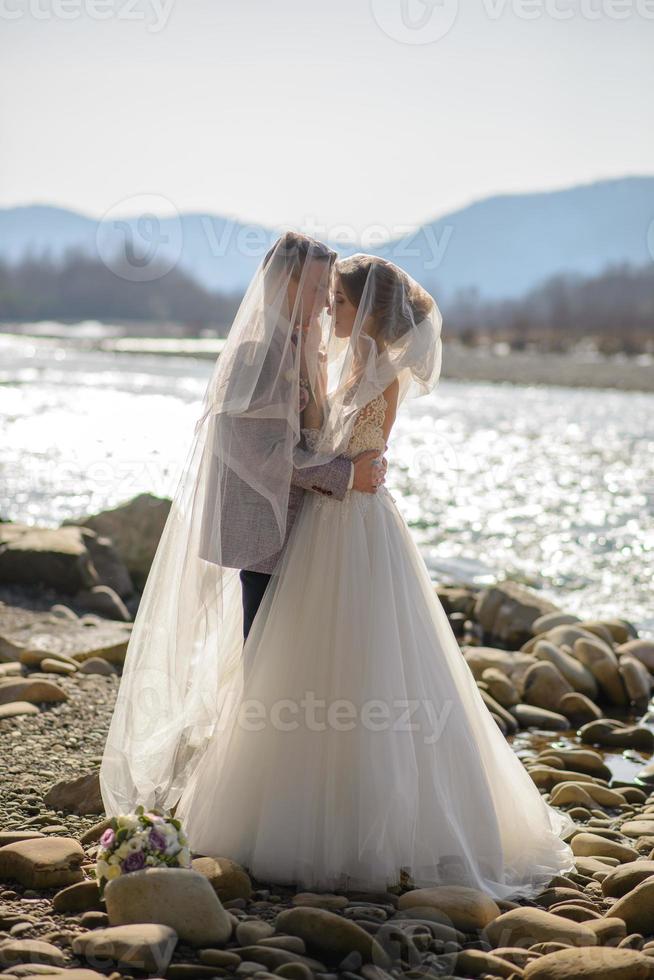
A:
(296, 248)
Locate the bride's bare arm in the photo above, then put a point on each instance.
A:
(390, 394)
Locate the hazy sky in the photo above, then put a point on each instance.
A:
(319, 114)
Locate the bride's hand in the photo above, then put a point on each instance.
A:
(381, 465)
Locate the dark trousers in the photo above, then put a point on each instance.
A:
(253, 586)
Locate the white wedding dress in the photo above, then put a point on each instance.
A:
(366, 748)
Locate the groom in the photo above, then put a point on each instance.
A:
(333, 479)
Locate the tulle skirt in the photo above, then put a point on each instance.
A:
(359, 746)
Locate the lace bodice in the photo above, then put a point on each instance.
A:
(368, 430)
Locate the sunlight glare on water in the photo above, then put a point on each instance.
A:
(548, 485)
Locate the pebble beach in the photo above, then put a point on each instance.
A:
(572, 695)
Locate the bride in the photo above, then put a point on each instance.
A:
(345, 744)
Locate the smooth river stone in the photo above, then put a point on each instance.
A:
(643, 650)
(544, 686)
(227, 878)
(526, 925)
(320, 901)
(145, 946)
(598, 794)
(617, 883)
(14, 709)
(618, 736)
(33, 691)
(579, 709)
(329, 935)
(594, 845)
(177, 897)
(603, 664)
(637, 828)
(475, 962)
(636, 908)
(577, 760)
(549, 620)
(636, 679)
(464, 908)
(43, 862)
(14, 951)
(576, 673)
(601, 963)
(530, 714)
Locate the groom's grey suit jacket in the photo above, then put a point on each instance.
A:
(331, 479)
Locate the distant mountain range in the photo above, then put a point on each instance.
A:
(501, 246)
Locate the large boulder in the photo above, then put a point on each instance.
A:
(135, 528)
(507, 612)
(67, 559)
(54, 557)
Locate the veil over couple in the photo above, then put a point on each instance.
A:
(292, 686)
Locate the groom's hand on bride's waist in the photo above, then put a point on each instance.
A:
(369, 471)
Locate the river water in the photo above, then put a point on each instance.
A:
(548, 485)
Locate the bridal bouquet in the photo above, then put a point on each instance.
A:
(143, 839)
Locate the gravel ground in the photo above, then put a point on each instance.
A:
(65, 740)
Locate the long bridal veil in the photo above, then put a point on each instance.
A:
(184, 659)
